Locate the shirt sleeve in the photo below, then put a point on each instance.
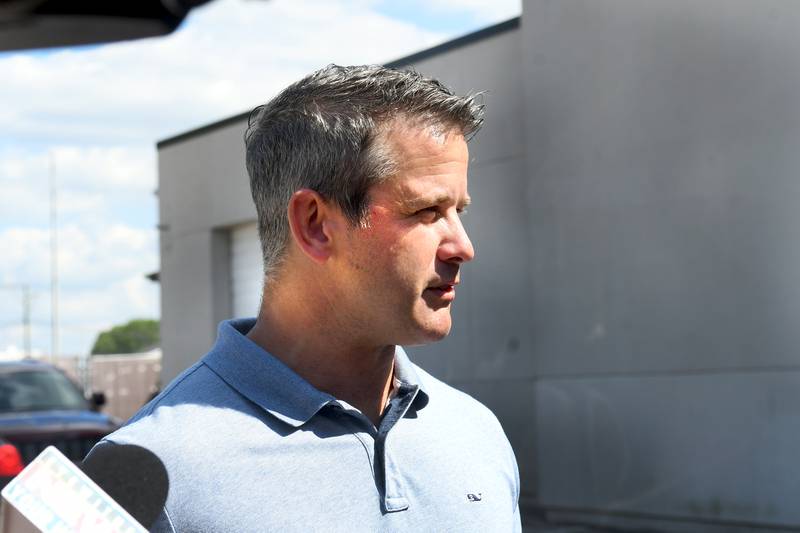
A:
(163, 524)
(517, 521)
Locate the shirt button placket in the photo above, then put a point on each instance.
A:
(394, 498)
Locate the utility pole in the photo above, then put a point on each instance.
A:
(26, 313)
(26, 319)
(53, 260)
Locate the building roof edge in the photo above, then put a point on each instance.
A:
(458, 42)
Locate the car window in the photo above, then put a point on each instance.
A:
(38, 390)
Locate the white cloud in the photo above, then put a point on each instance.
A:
(90, 311)
(12, 352)
(231, 56)
(83, 313)
(106, 168)
(91, 182)
(87, 254)
(494, 11)
(87, 312)
(26, 256)
(130, 167)
(101, 282)
(29, 203)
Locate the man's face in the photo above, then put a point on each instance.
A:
(402, 267)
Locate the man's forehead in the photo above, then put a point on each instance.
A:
(429, 164)
(419, 193)
(412, 195)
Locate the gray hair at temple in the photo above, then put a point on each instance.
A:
(324, 133)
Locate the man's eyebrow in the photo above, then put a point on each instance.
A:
(426, 201)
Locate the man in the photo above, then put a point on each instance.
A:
(312, 418)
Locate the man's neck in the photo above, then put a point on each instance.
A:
(330, 358)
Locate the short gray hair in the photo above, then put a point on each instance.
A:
(323, 133)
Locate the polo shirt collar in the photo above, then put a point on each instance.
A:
(270, 384)
(406, 374)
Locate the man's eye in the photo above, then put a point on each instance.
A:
(429, 213)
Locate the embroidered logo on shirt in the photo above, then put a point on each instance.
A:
(474, 497)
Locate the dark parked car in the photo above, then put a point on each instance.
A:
(40, 406)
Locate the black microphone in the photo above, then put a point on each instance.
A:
(133, 476)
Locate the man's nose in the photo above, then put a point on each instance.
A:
(456, 246)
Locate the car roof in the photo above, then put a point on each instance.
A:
(25, 364)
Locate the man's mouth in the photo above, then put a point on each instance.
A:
(443, 291)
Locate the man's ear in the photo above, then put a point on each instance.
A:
(312, 221)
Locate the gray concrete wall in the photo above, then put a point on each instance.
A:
(203, 188)
(663, 194)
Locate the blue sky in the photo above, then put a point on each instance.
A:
(97, 112)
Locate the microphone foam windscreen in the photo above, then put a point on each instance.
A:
(133, 476)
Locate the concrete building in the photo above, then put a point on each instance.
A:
(633, 311)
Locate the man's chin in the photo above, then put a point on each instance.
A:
(430, 332)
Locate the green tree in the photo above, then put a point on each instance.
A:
(135, 336)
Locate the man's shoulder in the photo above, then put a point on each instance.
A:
(457, 405)
(465, 419)
(192, 386)
(446, 392)
(183, 413)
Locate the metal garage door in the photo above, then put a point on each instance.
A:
(246, 270)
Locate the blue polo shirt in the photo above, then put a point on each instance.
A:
(250, 446)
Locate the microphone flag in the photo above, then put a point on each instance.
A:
(57, 497)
